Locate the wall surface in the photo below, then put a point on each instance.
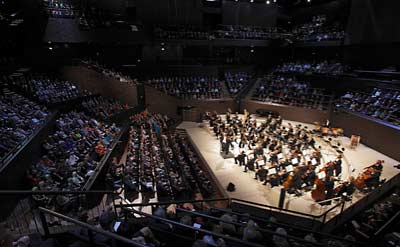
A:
(245, 13)
(288, 112)
(157, 101)
(101, 84)
(374, 134)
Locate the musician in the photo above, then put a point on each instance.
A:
(227, 145)
(328, 169)
(297, 181)
(250, 164)
(329, 184)
(378, 165)
(337, 166)
(241, 158)
(374, 179)
(310, 177)
(274, 180)
(261, 174)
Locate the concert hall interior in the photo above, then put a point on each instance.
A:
(199, 123)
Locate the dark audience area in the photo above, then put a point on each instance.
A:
(319, 29)
(323, 67)
(288, 90)
(48, 89)
(103, 108)
(60, 9)
(110, 72)
(160, 165)
(189, 87)
(379, 103)
(19, 119)
(219, 32)
(237, 81)
(70, 156)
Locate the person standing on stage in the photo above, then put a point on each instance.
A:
(241, 159)
(337, 166)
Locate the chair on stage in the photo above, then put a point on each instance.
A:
(354, 141)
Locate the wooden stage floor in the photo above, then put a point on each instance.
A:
(247, 188)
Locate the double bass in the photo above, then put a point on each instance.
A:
(359, 183)
(318, 194)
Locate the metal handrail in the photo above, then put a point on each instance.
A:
(17, 149)
(279, 224)
(50, 192)
(89, 227)
(196, 229)
(103, 160)
(242, 224)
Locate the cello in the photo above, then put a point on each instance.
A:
(318, 194)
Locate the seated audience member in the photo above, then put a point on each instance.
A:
(193, 87)
(379, 103)
(289, 91)
(236, 81)
(48, 89)
(103, 108)
(19, 117)
(72, 153)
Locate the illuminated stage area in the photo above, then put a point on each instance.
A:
(250, 189)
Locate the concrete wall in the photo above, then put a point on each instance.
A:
(374, 133)
(96, 82)
(288, 112)
(157, 101)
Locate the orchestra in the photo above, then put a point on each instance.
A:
(287, 156)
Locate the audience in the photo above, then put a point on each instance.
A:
(95, 17)
(318, 30)
(369, 221)
(189, 87)
(221, 32)
(379, 103)
(159, 161)
(60, 9)
(71, 154)
(324, 67)
(109, 72)
(248, 32)
(103, 108)
(47, 89)
(236, 81)
(19, 117)
(290, 91)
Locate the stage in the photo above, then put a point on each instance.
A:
(250, 189)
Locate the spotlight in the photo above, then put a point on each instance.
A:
(252, 50)
(50, 48)
(274, 1)
(268, 2)
(162, 48)
(251, 1)
(308, 1)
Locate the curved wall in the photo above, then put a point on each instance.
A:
(99, 83)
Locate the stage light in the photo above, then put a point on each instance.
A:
(308, 1)
(251, 1)
(274, 1)
(162, 48)
(267, 2)
(50, 48)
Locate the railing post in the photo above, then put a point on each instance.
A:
(324, 219)
(91, 237)
(44, 224)
(342, 208)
